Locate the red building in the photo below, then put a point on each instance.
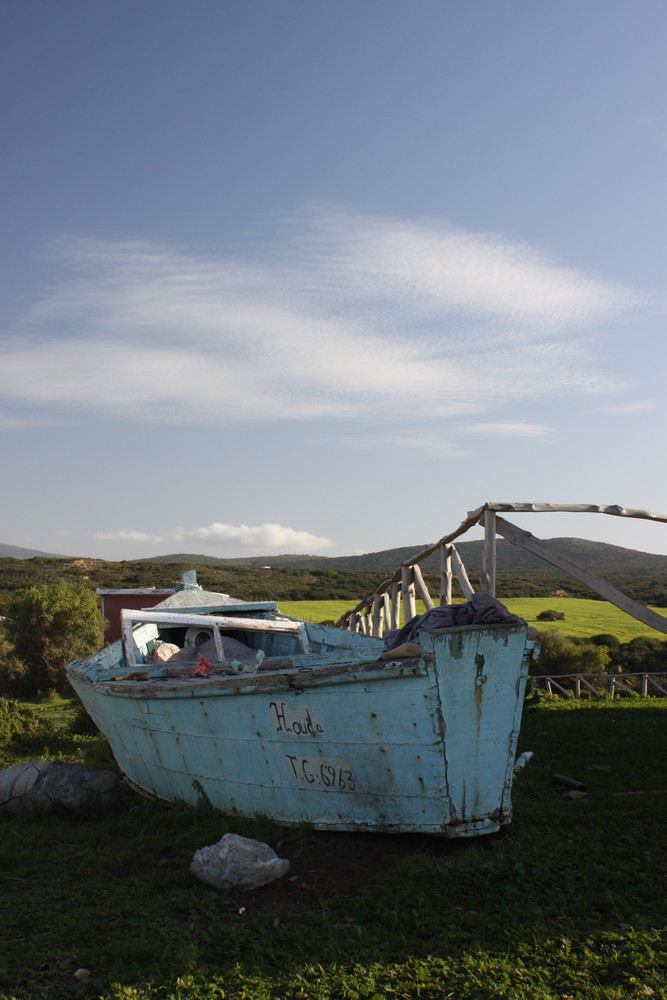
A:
(113, 601)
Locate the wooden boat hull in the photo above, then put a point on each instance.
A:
(339, 740)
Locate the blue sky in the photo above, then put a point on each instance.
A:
(296, 276)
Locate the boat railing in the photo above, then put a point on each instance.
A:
(397, 596)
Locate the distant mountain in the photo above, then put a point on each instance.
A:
(599, 557)
(640, 575)
(16, 552)
(607, 560)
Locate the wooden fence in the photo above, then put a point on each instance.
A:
(381, 611)
(576, 685)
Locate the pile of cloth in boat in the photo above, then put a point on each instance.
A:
(167, 652)
(481, 609)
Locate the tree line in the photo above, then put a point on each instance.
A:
(260, 583)
(601, 653)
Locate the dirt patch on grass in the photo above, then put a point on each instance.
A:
(332, 865)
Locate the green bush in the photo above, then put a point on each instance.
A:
(645, 653)
(49, 625)
(548, 615)
(21, 725)
(606, 639)
(560, 655)
(15, 681)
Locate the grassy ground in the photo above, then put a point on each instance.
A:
(582, 618)
(567, 903)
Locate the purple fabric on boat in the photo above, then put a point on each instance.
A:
(481, 609)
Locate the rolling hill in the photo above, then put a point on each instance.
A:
(600, 557)
(640, 575)
(16, 552)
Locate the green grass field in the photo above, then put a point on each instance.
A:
(582, 618)
(566, 903)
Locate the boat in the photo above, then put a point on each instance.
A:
(210, 699)
(366, 726)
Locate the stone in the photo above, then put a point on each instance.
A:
(44, 786)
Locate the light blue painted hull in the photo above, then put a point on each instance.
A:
(337, 738)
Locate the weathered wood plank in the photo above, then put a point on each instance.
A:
(422, 589)
(461, 575)
(659, 687)
(589, 686)
(446, 574)
(623, 687)
(303, 639)
(470, 521)
(408, 593)
(489, 553)
(395, 605)
(542, 549)
(151, 616)
(551, 683)
(575, 508)
(378, 614)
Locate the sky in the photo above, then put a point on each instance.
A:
(306, 276)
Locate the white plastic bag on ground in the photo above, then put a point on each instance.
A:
(238, 863)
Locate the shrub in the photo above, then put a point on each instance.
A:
(20, 724)
(559, 655)
(605, 639)
(15, 681)
(49, 625)
(549, 615)
(643, 653)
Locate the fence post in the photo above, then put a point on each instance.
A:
(395, 605)
(408, 593)
(489, 553)
(378, 615)
(445, 574)
(420, 584)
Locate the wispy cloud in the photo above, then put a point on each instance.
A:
(509, 429)
(641, 406)
(416, 438)
(124, 535)
(14, 423)
(225, 536)
(345, 316)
